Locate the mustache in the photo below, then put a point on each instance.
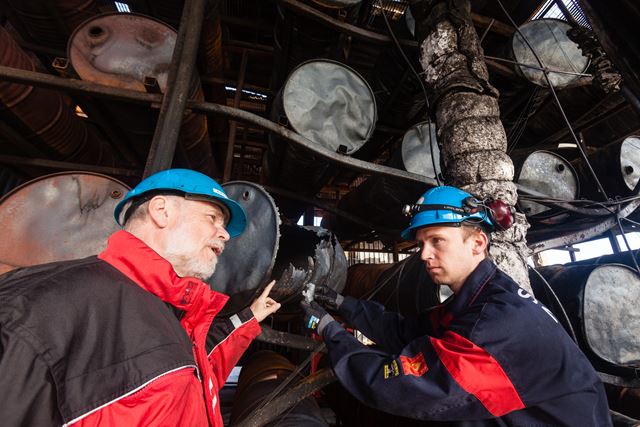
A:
(217, 244)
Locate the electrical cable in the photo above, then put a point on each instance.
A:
(626, 242)
(545, 72)
(549, 291)
(417, 76)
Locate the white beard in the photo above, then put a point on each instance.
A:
(179, 252)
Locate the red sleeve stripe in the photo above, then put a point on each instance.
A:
(478, 373)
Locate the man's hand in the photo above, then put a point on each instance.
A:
(315, 317)
(328, 298)
(263, 305)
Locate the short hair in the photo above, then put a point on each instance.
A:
(469, 229)
(134, 208)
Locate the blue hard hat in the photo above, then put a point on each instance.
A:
(190, 183)
(446, 206)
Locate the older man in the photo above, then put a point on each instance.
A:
(119, 339)
(491, 355)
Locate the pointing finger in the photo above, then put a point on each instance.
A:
(266, 291)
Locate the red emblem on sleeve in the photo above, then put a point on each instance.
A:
(415, 365)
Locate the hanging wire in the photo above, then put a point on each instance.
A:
(550, 292)
(424, 89)
(520, 124)
(545, 72)
(626, 242)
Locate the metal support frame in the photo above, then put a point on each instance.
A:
(585, 234)
(172, 109)
(79, 86)
(231, 142)
(54, 164)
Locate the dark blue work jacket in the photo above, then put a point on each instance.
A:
(491, 352)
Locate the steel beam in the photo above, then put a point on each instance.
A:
(587, 233)
(233, 128)
(165, 137)
(54, 164)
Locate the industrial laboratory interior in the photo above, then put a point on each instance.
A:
(327, 121)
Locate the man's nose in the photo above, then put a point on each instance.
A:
(426, 253)
(223, 234)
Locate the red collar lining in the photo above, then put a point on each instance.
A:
(133, 258)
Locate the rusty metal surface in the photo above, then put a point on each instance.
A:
(549, 39)
(125, 50)
(247, 261)
(48, 114)
(307, 254)
(121, 49)
(549, 174)
(57, 217)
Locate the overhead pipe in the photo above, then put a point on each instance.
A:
(99, 90)
(48, 116)
(49, 23)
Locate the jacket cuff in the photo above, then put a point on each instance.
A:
(349, 304)
(326, 319)
(331, 328)
(241, 317)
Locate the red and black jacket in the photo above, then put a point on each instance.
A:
(97, 342)
(492, 352)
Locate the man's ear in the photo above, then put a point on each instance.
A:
(480, 242)
(159, 210)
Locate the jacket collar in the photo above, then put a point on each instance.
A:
(472, 287)
(133, 258)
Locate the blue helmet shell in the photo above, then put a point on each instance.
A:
(444, 195)
(192, 183)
